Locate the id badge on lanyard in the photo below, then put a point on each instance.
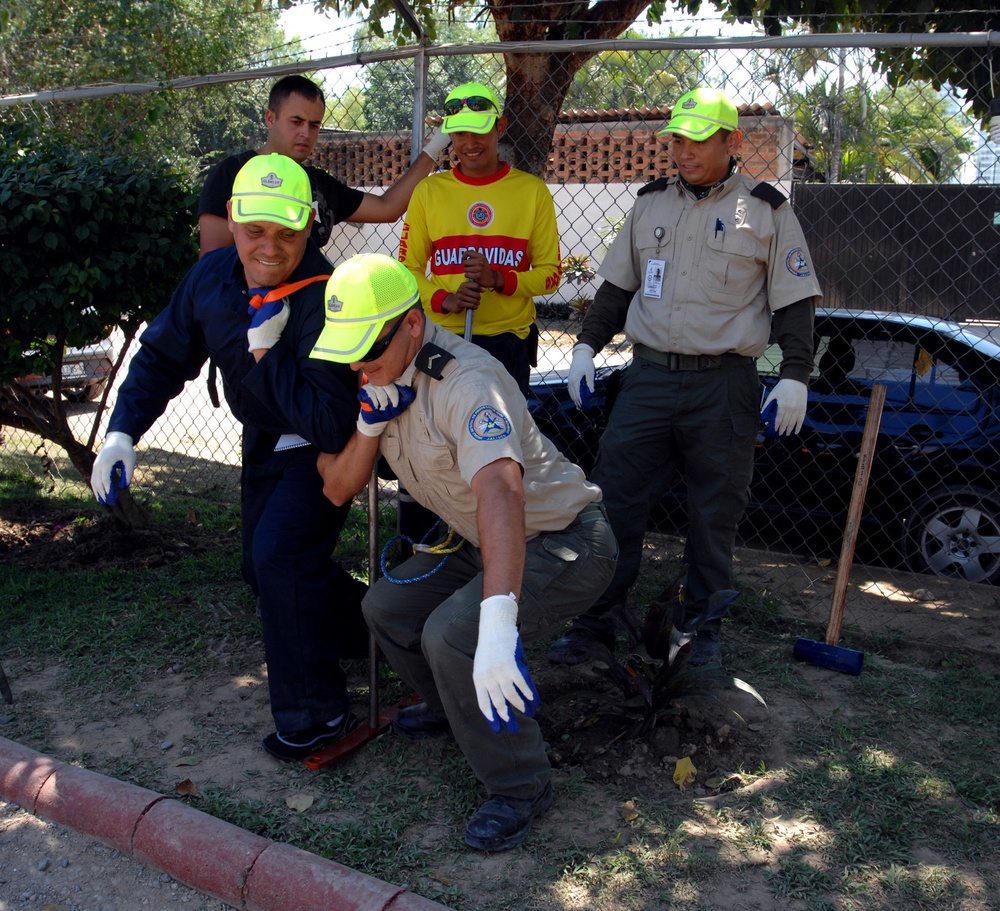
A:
(653, 285)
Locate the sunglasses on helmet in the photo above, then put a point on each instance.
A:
(478, 103)
(382, 345)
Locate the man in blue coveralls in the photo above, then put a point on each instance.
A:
(256, 309)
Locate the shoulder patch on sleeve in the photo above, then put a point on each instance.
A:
(771, 195)
(432, 360)
(659, 184)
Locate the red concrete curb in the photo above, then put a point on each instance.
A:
(244, 870)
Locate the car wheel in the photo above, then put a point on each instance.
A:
(94, 391)
(955, 532)
(89, 393)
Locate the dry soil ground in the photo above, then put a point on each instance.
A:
(206, 729)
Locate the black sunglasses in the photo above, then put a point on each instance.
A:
(382, 345)
(478, 103)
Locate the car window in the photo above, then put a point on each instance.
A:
(912, 375)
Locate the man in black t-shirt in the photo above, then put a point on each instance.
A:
(295, 112)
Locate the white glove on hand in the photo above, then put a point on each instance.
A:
(380, 404)
(267, 324)
(437, 144)
(113, 468)
(788, 404)
(581, 372)
(499, 673)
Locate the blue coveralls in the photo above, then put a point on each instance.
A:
(289, 527)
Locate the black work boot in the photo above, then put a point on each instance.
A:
(505, 822)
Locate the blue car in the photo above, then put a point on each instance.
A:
(933, 499)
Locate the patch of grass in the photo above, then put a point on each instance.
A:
(114, 627)
(795, 877)
(267, 821)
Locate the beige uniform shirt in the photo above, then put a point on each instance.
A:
(472, 416)
(708, 273)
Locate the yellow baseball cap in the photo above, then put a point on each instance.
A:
(702, 113)
(364, 293)
(470, 108)
(272, 188)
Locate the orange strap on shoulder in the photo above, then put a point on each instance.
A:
(258, 301)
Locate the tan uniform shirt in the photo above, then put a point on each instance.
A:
(472, 416)
(708, 273)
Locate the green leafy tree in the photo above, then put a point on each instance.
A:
(969, 69)
(624, 79)
(881, 135)
(536, 84)
(385, 107)
(88, 242)
(62, 43)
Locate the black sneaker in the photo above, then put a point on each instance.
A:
(505, 822)
(291, 745)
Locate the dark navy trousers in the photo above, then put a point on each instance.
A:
(309, 605)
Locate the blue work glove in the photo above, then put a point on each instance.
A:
(113, 468)
(380, 404)
(503, 682)
(267, 322)
(581, 375)
(785, 407)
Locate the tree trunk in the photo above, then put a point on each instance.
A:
(47, 418)
(537, 83)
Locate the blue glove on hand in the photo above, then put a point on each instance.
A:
(503, 682)
(113, 468)
(380, 404)
(267, 322)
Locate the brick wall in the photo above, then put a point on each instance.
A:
(589, 147)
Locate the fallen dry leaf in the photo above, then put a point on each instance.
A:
(299, 802)
(684, 772)
(186, 787)
(629, 812)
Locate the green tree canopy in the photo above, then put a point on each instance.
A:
(968, 69)
(65, 43)
(883, 135)
(382, 100)
(87, 242)
(537, 84)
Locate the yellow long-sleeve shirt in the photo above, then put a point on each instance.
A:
(510, 218)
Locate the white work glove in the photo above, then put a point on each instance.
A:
(267, 323)
(437, 144)
(787, 404)
(502, 680)
(581, 375)
(380, 404)
(113, 468)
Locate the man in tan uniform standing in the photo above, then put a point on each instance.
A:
(703, 266)
(535, 547)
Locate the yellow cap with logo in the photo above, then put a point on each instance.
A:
(702, 113)
(364, 293)
(272, 188)
(470, 108)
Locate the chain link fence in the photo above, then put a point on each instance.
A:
(897, 189)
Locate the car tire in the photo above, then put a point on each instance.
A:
(955, 532)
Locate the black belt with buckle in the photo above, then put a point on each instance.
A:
(691, 361)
